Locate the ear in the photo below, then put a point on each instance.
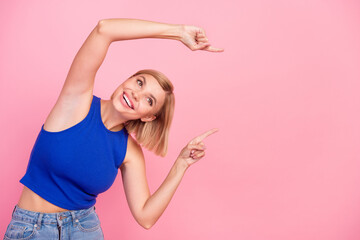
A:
(148, 118)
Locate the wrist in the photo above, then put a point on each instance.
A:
(175, 31)
(181, 165)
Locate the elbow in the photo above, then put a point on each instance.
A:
(102, 29)
(146, 224)
(145, 219)
(101, 26)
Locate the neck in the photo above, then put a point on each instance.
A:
(110, 117)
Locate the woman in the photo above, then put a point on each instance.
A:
(85, 140)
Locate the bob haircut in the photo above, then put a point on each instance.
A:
(154, 135)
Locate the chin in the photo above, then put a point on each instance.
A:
(117, 105)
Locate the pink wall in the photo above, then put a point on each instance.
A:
(285, 95)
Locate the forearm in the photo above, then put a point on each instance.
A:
(158, 201)
(126, 29)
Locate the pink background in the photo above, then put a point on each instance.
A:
(285, 95)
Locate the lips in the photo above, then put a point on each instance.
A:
(127, 100)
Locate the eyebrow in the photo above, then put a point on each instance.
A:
(152, 96)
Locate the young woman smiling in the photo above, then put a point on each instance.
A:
(85, 140)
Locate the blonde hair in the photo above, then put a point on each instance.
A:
(154, 135)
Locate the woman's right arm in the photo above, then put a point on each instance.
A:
(89, 58)
(124, 29)
(91, 55)
(75, 98)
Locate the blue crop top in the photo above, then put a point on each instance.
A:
(71, 167)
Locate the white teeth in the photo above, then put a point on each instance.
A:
(127, 101)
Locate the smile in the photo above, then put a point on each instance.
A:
(128, 101)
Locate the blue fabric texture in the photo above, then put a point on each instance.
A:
(79, 224)
(71, 167)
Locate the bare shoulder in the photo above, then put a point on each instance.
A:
(133, 152)
(68, 110)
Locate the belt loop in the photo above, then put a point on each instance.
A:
(13, 211)
(73, 218)
(38, 225)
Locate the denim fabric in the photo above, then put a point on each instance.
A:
(78, 224)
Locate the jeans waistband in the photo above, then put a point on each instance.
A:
(59, 218)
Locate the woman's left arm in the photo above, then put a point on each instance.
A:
(147, 208)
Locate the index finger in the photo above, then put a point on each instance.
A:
(205, 134)
(213, 49)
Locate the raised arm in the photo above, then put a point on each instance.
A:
(91, 55)
(124, 29)
(89, 58)
(75, 98)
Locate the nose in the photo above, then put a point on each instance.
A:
(135, 95)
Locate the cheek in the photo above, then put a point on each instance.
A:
(145, 108)
(117, 92)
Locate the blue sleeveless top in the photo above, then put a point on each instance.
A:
(71, 167)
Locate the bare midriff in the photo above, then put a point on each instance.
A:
(33, 202)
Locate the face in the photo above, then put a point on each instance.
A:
(139, 97)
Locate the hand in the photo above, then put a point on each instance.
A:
(195, 149)
(195, 39)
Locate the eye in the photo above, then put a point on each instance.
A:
(150, 101)
(139, 82)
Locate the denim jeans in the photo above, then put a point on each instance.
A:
(78, 224)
